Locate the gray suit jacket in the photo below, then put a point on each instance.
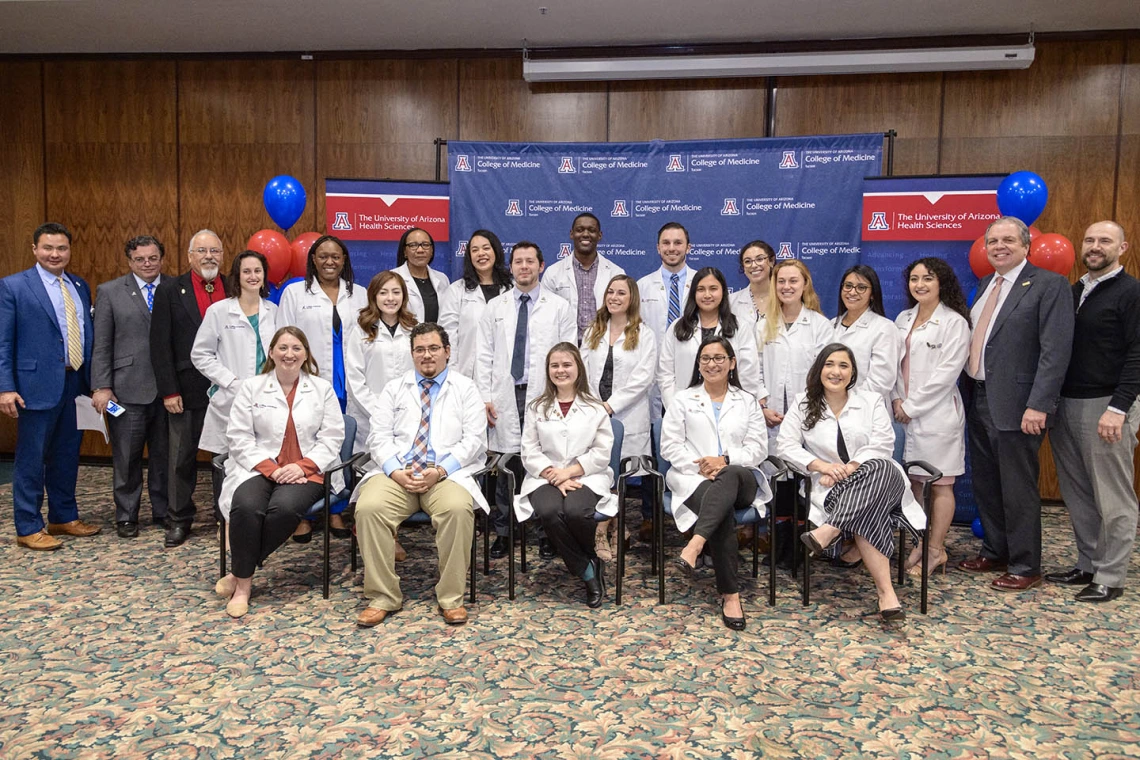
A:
(121, 358)
(1028, 351)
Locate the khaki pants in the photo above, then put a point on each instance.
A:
(382, 506)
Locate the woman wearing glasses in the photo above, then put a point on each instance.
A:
(751, 304)
(712, 435)
(425, 286)
(862, 327)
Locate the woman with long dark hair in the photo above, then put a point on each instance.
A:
(706, 313)
(862, 327)
(414, 254)
(936, 334)
(567, 440)
(485, 276)
(751, 304)
(844, 438)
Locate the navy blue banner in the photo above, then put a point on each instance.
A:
(800, 194)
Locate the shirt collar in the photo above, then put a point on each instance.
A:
(195, 277)
(143, 283)
(667, 276)
(578, 265)
(1088, 281)
(437, 380)
(1012, 275)
(534, 293)
(46, 276)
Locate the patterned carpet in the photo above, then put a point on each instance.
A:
(116, 648)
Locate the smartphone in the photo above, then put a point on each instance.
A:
(114, 409)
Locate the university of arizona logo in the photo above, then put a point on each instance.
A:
(730, 208)
(785, 252)
(878, 221)
(341, 222)
(564, 251)
(513, 208)
(675, 163)
(567, 166)
(789, 160)
(620, 208)
(462, 249)
(462, 163)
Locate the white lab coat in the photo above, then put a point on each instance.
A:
(584, 436)
(634, 372)
(867, 433)
(258, 418)
(745, 310)
(551, 321)
(691, 430)
(875, 342)
(788, 358)
(939, 349)
(439, 281)
(368, 366)
(225, 350)
(311, 311)
(676, 359)
(655, 313)
(457, 427)
(559, 280)
(460, 310)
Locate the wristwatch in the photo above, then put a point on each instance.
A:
(726, 460)
(442, 473)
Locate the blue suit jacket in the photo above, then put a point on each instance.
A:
(33, 356)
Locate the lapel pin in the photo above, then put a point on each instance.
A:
(183, 291)
(1025, 284)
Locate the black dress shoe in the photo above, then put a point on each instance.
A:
(1074, 577)
(176, 535)
(499, 547)
(127, 529)
(595, 587)
(734, 623)
(340, 532)
(1096, 592)
(545, 548)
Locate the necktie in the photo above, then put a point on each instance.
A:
(978, 340)
(74, 342)
(150, 296)
(420, 445)
(518, 359)
(674, 298)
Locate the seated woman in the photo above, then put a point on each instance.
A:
(712, 434)
(845, 439)
(277, 455)
(566, 444)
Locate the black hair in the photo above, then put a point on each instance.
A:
(949, 289)
(726, 344)
(527, 244)
(690, 318)
(871, 276)
(311, 267)
(233, 282)
(814, 401)
(767, 249)
(141, 241)
(424, 328)
(587, 215)
(500, 275)
(50, 228)
(672, 226)
(401, 256)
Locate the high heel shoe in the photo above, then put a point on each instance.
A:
(915, 570)
(689, 570)
(814, 547)
(893, 615)
(733, 623)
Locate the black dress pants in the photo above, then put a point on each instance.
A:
(263, 516)
(715, 502)
(569, 523)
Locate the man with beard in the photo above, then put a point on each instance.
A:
(179, 305)
(1097, 418)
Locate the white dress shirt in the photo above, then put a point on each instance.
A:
(1010, 278)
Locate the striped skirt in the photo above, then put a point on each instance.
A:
(868, 503)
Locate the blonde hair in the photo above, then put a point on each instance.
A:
(601, 321)
(773, 314)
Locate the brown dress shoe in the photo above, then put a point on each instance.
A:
(981, 564)
(454, 616)
(73, 528)
(1009, 582)
(373, 616)
(40, 542)
(401, 553)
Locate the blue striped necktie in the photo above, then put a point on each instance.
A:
(674, 298)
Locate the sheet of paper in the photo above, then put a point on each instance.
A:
(87, 418)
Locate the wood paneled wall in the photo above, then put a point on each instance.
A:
(115, 148)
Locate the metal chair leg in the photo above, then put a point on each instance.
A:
(511, 556)
(328, 531)
(772, 556)
(474, 556)
(620, 570)
(902, 556)
(222, 548)
(659, 538)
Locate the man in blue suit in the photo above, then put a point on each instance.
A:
(45, 351)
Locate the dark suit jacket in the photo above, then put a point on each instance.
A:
(33, 356)
(173, 326)
(121, 357)
(1028, 351)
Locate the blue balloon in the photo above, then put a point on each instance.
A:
(972, 295)
(1022, 195)
(284, 199)
(976, 526)
(275, 291)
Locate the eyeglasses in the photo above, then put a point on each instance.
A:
(751, 263)
(717, 360)
(856, 287)
(424, 350)
(146, 260)
(201, 251)
(421, 246)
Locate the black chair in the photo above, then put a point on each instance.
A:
(623, 470)
(930, 475)
(663, 507)
(323, 506)
(421, 518)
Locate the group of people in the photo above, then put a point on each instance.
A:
(534, 362)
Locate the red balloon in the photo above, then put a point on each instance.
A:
(979, 262)
(1034, 233)
(1053, 252)
(275, 248)
(301, 245)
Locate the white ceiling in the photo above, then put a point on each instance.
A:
(190, 26)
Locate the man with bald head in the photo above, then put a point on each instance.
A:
(1097, 418)
(179, 305)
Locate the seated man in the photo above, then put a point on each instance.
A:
(428, 435)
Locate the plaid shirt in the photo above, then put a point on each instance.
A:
(584, 280)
